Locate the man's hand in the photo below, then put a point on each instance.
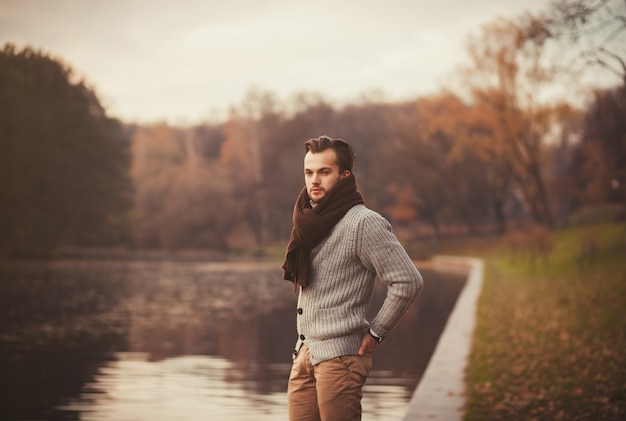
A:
(368, 344)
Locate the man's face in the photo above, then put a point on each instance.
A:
(321, 173)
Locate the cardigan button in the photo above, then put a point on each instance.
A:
(302, 337)
(299, 311)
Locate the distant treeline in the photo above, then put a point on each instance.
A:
(63, 163)
(493, 156)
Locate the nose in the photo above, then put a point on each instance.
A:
(315, 179)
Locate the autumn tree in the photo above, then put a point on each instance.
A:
(248, 156)
(183, 197)
(599, 162)
(366, 126)
(594, 29)
(63, 161)
(449, 126)
(437, 177)
(509, 79)
(563, 168)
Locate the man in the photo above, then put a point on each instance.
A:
(337, 249)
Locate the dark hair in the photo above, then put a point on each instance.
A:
(345, 154)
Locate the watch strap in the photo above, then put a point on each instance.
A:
(377, 338)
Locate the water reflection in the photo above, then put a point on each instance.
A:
(146, 340)
(182, 388)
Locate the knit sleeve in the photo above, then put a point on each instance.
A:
(381, 252)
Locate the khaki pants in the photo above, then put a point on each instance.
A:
(328, 391)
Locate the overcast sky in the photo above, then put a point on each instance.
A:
(184, 60)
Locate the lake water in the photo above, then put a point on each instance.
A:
(120, 340)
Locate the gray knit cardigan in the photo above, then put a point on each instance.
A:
(342, 273)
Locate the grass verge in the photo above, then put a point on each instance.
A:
(550, 341)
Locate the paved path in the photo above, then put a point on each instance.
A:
(440, 394)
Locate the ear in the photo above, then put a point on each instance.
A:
(345, 174)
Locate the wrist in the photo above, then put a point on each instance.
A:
(373, 334)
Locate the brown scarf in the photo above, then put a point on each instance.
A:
(312, 225)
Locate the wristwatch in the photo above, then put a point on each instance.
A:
(378, 339)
